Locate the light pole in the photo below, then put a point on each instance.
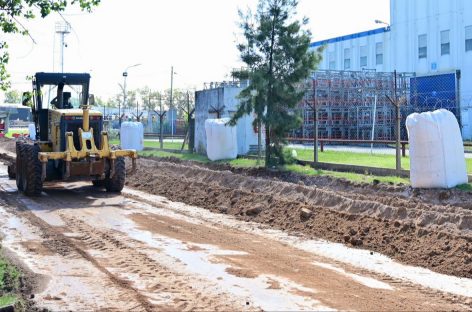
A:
(63, 29)
(382, 22)
(172, 73)
(125, 74)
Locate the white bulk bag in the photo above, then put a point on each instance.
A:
(132, 136)
(221, 139)
(32, 131)
(436, 150)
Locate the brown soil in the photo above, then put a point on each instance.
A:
(282, 260)
(8, 145)
(240, 272)
(428, 228)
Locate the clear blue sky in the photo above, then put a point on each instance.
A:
(197, 37)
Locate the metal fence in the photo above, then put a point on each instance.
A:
(357, 111)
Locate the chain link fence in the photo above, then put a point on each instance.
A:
(353, 115)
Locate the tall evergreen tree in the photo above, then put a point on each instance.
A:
(276, 52)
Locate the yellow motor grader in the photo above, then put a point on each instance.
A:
(70, 143)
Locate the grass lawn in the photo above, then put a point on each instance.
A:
(183, 156)
(348, 158)
(307, 170)
(7, 300)
(361, 159)
(11, 131)
(9, 283)
(156, 144)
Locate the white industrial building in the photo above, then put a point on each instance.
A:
(431, 38)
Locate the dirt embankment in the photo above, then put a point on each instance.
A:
(7, 151)
(425, 228)
(8, 145)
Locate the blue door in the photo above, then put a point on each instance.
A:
(434, 92)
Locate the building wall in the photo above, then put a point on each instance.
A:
(411, 19)
(401, 43)
(358, 44)
(206, 101)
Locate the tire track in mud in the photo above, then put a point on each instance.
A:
(119, 257)
(122, 255)
(438, 237)
(65, 246)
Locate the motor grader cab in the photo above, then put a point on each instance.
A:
(70, 142)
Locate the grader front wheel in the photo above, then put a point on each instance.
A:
(117, 182)
(98, 183)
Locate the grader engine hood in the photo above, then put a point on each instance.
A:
(83, 144)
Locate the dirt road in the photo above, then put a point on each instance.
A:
(89, 250)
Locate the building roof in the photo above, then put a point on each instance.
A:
(351, 36)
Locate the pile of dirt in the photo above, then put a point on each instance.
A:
(8, 145)
(424, 228)
(7, 151)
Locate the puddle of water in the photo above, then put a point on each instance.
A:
(377, 263)
(366, 281)
(385, 265)
(15, 224)
(47, 215)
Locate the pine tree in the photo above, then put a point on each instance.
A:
(276, 52)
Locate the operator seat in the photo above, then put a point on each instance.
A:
(65, 102)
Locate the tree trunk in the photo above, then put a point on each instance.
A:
(269, 97)
(267, 144)
(185, 140)
(161, 141)
(259, 140)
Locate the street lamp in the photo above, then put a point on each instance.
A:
(382, 22)
(125, 74)
(172, 73)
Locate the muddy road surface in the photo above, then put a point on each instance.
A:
(90, 250)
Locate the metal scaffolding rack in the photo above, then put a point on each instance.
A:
(347, 101)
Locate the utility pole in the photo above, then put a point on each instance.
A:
(396, 104)
(171, 101)
(398, 126)
(125, 74)
(62, 29)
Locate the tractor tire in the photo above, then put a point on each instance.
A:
(19, 166)
(11, 172)
(117, 182)
(98, 183)
(32, 183)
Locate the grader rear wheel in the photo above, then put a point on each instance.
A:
(19, 166)
(11, 172)
(31, 178)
